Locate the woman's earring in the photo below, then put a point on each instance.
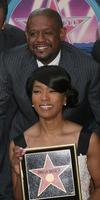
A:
(32, 106)
(65, 104)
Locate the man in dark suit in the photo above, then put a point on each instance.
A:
(96, 46)
(45, 45)
(10, 36)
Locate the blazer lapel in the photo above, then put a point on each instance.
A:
(68, 62)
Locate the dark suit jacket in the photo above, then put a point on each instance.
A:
(11, 36)
(96, 51)
(16, 112)
(16, 66)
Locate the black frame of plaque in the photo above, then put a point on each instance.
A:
(31, 152)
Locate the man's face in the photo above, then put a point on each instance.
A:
(1, 18)
(44, 38)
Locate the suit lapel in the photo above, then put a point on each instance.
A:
(68, 62)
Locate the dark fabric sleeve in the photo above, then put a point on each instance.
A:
(96, 51)
(5, 103)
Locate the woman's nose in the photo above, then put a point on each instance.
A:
(44, 95)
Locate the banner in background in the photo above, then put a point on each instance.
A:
(80, 17)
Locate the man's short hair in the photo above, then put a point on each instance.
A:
(48, 12)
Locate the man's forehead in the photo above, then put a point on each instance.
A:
(41, 20)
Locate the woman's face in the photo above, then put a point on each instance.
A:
(47, 102)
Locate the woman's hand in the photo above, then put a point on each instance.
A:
(16, 154)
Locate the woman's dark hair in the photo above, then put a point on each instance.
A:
(54, 77)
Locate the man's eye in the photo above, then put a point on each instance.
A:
(48, 33)
(33, 34)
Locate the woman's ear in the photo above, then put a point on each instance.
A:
(65, 101)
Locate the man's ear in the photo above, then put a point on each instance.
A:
(62, 34)
(26, 34)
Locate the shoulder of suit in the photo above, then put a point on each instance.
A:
(19, 55)
(77, 53)
(11, 27)
(70, 47)
(18, 50)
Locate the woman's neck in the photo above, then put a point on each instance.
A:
(50, 127)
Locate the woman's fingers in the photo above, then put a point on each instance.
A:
(19, 151)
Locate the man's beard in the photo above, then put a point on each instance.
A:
(47, 59)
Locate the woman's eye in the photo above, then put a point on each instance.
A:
(36, 91)
(52, 91)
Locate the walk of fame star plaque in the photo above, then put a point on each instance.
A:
(50, 173)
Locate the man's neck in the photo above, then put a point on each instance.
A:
(55, 61)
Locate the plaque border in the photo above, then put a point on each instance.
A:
(75, 167)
